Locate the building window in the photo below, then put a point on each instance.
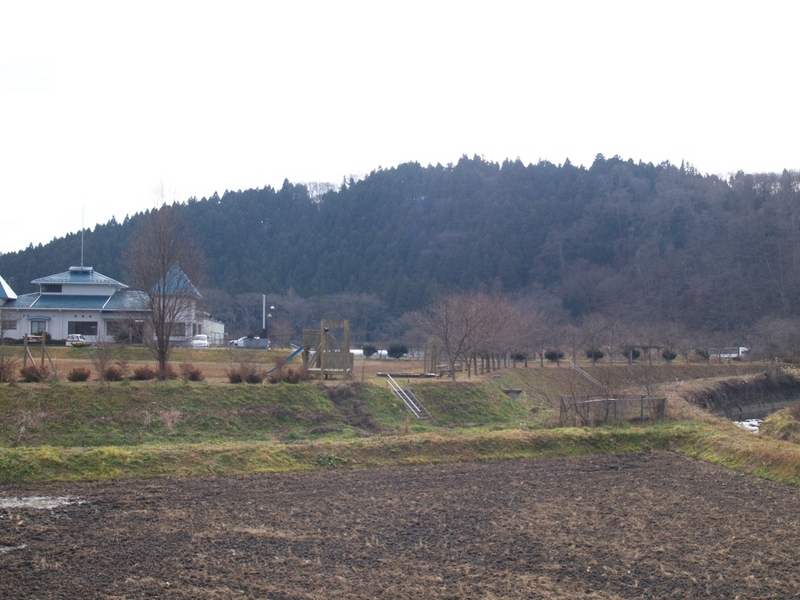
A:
(51, 288)
(125, 331)
(8, 324)
(114, 328)
(38, 327)
(82, 327)
(178, 329)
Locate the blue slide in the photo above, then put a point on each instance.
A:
(288, 358)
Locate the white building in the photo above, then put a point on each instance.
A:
(86, 302)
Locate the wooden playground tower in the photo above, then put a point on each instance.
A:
(324, 354)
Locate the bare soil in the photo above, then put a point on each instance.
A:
(612, 526)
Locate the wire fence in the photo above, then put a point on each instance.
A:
(591, 411)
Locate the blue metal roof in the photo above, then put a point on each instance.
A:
(80, 275)
(24, 301)
(176, 284)
(122, 301)
(69, 302)
(6, 293)
(128, 300)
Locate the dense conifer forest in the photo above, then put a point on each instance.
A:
(650, 243)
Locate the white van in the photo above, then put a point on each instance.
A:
(77, 340)
(200, 341)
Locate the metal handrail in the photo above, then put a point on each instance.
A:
(585, 374)
(413, 405)
(401, 393)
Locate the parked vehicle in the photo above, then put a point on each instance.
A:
(76, 340)
(237, 343)
(200, 341)
(250, 342)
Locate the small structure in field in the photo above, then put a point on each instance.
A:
(591, 411)
(325, 354)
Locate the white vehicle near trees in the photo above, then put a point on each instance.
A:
(77, 340)
(200, 341)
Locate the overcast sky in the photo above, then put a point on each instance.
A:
(101, 103)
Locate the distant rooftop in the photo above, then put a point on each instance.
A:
(79, 275)
(176, 283)
(6, 293)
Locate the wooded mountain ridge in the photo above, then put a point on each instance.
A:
(652, 242)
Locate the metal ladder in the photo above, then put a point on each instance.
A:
(410, 400)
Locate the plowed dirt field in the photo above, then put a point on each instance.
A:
(628, 526)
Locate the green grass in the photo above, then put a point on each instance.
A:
(46, 463)
(64, 431)
(783, 425)
(723, 444)
(129, 413)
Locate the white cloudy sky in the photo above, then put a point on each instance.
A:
(103, 102)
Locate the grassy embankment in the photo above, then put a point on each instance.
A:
(149, 429)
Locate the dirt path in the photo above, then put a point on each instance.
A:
(630, 526)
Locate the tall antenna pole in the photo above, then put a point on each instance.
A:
(83, 209)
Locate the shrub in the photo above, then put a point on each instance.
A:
(254, 377)
(79, 374)
(554, 355)
(124, 365)
(144, 373)
(289, 376)
(631, 353)
(8, 364)
(234, 376)
(668, 355)
(102, 357)
(33, 374)
(594, 354)
(397, 350)
(369, 350)
(191, 373)
(113, 373)
(244, 373)
(6, 371)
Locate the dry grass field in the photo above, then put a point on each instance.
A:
(650, 525)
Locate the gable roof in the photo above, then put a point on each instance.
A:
(79, 275)
(120, 301)
(6, 293)
(176, 284)
(127, 300)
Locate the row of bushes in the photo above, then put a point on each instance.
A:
(118, 371)
(249, 373)
(187, 372)
(595, 354)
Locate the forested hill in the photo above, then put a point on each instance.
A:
(654, 241)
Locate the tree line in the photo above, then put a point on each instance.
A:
(630, 241)
(479, 332)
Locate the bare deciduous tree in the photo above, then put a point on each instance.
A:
(595, 332)
(162, 257)
(458, 322)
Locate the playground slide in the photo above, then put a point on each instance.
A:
(288, 358)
